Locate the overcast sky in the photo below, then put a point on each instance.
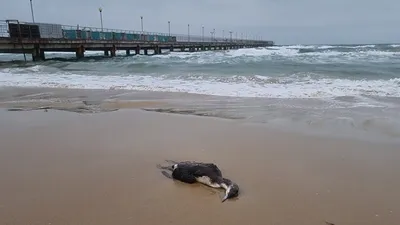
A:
(283, 21)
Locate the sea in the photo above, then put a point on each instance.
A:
(343, 90)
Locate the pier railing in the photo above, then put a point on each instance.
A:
(4, 29)
(28, 30)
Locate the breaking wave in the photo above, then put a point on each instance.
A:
(317, 71)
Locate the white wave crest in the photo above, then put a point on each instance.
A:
(238, 86)
(294, 53)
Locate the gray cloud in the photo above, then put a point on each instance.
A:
(284, 21)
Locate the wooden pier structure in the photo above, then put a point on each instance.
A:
(38, 38)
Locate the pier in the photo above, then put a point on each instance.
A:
(37, 38)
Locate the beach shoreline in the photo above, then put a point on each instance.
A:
(314, 117)
(62, 167)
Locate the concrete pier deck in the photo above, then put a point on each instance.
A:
(38, 38)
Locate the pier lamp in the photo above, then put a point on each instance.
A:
(141, 22)
(214, 33)
(188, 32)
(169, 28)
(101, 18)
(202, 33)
(33, 17)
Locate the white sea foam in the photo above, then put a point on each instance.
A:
(290, 51)
(323, 52)
(326, 47)
(239, 86)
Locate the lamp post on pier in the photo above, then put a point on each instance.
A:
(141, 22)
(101, 18)
(214, 34)
(230, 32)
(33, 17)
(202, 33)
(169, 28)
(188, 32)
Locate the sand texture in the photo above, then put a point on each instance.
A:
(60, 167)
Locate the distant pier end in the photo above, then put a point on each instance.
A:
(38, 38)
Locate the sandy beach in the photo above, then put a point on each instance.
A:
(60, 167)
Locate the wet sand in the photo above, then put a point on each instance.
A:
(60, 167)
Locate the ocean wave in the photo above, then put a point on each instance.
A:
(294, 86)
(323, 51)
(298, 53)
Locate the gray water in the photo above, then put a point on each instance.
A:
(343, 89)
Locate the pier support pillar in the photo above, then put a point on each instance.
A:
(137, 50)
(37, 54)
(182, 49)
(113, 51)
(106, 53)
(128, 52)
(157, 50)
(80, 52)
(171, 49)
(41, 54)
(145, 51)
